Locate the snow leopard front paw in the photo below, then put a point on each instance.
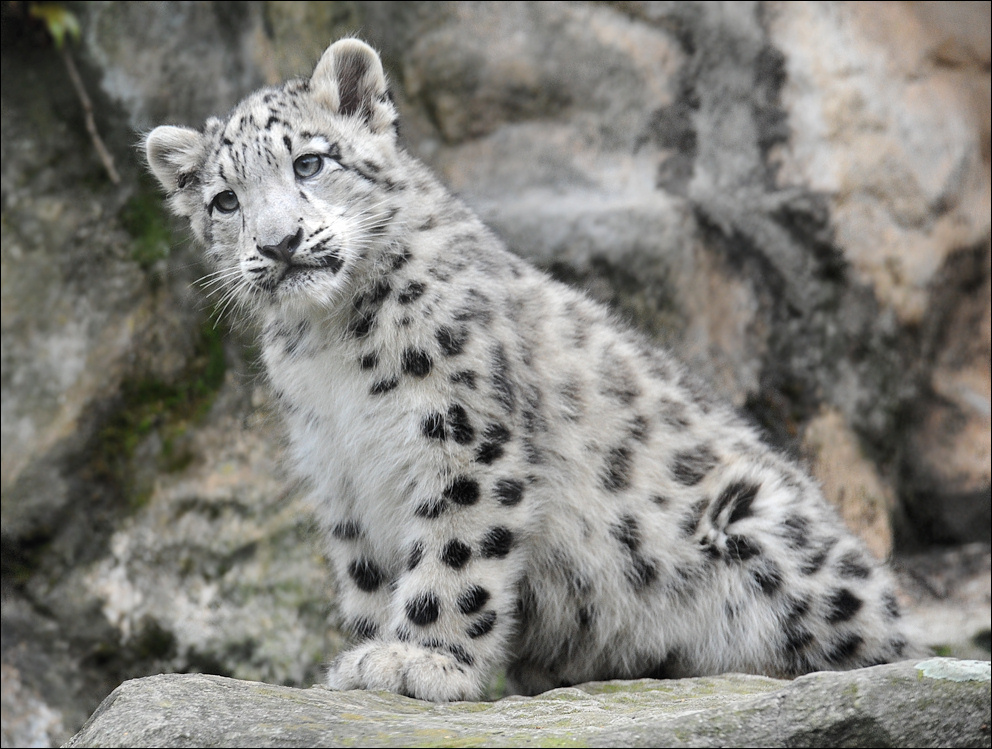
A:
(405, 669)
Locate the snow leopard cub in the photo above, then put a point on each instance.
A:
(506, 476)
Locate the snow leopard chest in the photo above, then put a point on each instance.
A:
(357, 451)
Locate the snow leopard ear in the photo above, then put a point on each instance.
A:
(349, 80)
(174, 154)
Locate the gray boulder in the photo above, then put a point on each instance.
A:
(937, 702)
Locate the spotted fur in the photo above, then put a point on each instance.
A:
(506, 476)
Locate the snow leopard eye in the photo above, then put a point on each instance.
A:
(307, 165)
(225, 202)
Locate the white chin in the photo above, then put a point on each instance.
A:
(309, 287)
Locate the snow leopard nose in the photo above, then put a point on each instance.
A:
(285, 249)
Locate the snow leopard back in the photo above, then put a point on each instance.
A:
(506, 477)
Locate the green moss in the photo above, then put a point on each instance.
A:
(560, 741)
(144, 218)
(164, 408)
(633, 686)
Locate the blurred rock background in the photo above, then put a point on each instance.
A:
(794, 196)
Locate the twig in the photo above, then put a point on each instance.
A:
(101, 149)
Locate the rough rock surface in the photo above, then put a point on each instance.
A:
(937, 702)
(795, 196)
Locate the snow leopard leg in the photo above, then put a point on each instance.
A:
(451, 609)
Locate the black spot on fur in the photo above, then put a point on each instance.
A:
(459, 426)
(497, 433)
(473, 599)
(501, 381)
(374, 296)
(585, 616)
(496, 543)
(400, 259)
(411, 293)
(509, 492)
(466, 377)
(639, 429)
(461, 655)
(483, 625)
(673, 413)
(742, 548)
(571, 398)
(361, 325)
(795, 531)
(690, 522)
(371, 167)
(294, 338)
(739, 496)
(710, 549)
(615, 475)
(346, 530)
(533, 414)
(892, 610)
(659, 500)
(432, 643)
(370, 361)
(843, 605)
(423, 610)
(627, 532)
(366, 574)
(452, 342)
(797, 638)
(431, 509)
(433, 426)
(691, 466)
(797, 608)
(384, 386)
(495, 436)
(797, 635)
(844, 650)
(640, 572)
(817, 556)
(416, 363)
(463, 491)
(416, 554)
(456, 554)
(768, 576)
(364, 629)
(532, 453)
(488, 453)
(852, 566)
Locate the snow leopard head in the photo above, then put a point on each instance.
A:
(290, 192)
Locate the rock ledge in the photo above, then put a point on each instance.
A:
(935, 702)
